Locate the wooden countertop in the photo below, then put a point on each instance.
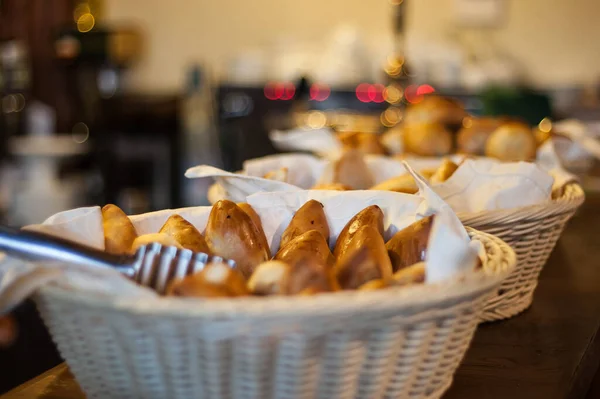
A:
(550, 351)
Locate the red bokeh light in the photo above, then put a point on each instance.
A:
(425, 89)
(411, 93)
(362, 92)
(319, 92)
(289, 91)
(269, 91)
(377, 93)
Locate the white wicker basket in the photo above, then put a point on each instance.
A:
(395, 343)
(532, 232)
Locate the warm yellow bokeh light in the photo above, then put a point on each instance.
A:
(86, 23)
(393, 94)
(81, 10)
(316, 120)
(545, 125)
(467, 122)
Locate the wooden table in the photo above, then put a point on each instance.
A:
(550, 351)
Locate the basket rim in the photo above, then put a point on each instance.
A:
(412, 299)
(572, 197)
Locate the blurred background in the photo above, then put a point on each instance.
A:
(109, 101)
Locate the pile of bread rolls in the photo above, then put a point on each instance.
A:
(439, 126)
(303, 263)
(351, 172)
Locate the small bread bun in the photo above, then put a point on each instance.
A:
(160, 238)
(430, 139)
(280, 278)
(393, 140)
(369, 143)
(512, 142)
(331, 186)
(474, 134)
(436, 109)
(410, 275)
(214, 281)
(119, 232)
(400, 184)
(444, 172)
(352, 170)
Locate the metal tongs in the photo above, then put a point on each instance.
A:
(153, 265)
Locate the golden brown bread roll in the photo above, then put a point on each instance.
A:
(160, 238)
(184, 233)
(374, 285)
(436, 109)
(348, 139)
(351, 170)
(307, 246)
(409, 245)
(512, 142)
(400, 184)
(280, 174)
(410, 275)
(331, 186)
(216, 280)
(310, 216)
(444, 172)
(119, 232)
(280, 278)
(474, 134)
(244, 206)
(393, 140)
(431, 139)
(364, 259)
(370, 216)
(369, 143)
(230, 233)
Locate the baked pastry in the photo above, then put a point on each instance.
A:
(512, 142)
(309, 246)
(427, 139)
(230, 233)
(364, 259)
(410, 275)
(160, 238)
(280, 278)
(370, 216)
(310, 216)
(119, 232)
(351, 170)
(436, 109)
(185, 234)
(331, 186)
(393, 140)
(474, 134)
(409, 245)
(244, 206)
(444, 172)
(400, 184)
(369, 143)
(216, 280)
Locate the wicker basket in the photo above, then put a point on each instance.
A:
(397, 343)
(532, 232)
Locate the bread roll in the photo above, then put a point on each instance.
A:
(310, 216)
(512, 142)
(280, 278)
(244, 206)
(331, 186)
(185, 234)
(474, 134)
(410, 275)
(393, 140)
(214, 281)
(230, 233)
(351, 170)
(444, 172)
(364, 259)
(307, 246)
(160, 238)
(409, 245)
(119, 232)
(431, 139)
(435, 109)
(400, 184)
(370, 216)
(369, 143)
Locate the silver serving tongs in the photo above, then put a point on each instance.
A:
(153, 265)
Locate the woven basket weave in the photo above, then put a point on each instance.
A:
(395, 343)
(532, 232)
